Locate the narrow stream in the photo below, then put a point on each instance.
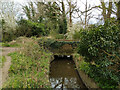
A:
(63, 74)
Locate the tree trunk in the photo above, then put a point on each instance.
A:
(109, 10)
(70, 11)
(64, 19)
(86, 14)
(70, 19)
(106, 11)
(118, 12)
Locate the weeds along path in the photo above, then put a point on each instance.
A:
(5, 68)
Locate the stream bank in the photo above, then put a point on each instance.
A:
(90, 83)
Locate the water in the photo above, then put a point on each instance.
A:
(64, 75)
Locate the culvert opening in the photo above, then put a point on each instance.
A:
(63, 73)
(69, 57)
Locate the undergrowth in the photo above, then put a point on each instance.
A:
(30, 67)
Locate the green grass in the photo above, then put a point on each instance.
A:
(2, 60)
(26, 72)
(9, 45)
(29, 67)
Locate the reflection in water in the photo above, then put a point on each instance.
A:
(64, 75)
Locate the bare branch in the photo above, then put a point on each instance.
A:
(90, 9)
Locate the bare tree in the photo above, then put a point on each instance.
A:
(72, 7)
(85, 15)
(106, 11)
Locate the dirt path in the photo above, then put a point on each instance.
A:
(5, 68)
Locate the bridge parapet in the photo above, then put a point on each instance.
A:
(59, 47)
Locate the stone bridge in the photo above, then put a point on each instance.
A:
(59, 47)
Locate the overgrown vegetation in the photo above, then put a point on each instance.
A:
(76, 35)
(30, 67)
(100, 46)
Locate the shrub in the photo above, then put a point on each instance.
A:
(30, 28)
(100, 46)
(8, 36)
(77, 35)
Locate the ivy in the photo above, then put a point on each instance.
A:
(100, 44)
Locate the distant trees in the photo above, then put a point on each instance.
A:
(48, 13)
(63, 18)
(7, 19)
(56, 16)
(8, 13)
(28, 28)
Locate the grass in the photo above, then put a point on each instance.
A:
(0, 43)
(2, 60)
(10, 45)
(29, 68)
(16, 43)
